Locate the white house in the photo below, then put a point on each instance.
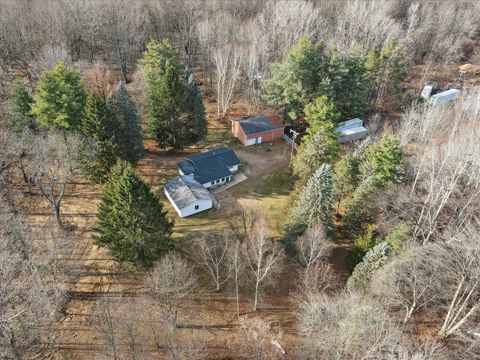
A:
(188, 196)
(210, 168)
(351, 130)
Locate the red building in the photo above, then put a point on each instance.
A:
(257, 129)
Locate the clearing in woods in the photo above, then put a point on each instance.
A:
(211, 315)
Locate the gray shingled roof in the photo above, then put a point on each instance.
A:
(185, 191)
(210, 165)
(226, 155)
(258, 124)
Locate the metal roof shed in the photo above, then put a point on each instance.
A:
(351, 130)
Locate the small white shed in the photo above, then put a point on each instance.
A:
(351, 130)
(188, 196)
(443, 97)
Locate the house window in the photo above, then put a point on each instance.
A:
(196, 207)
(218, 181)
(212, 183)
(223, 179)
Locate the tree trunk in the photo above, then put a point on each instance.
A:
(58, 218)
(255, 302)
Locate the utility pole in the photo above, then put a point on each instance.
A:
(293, 144)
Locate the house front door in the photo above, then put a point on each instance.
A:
(259, 140)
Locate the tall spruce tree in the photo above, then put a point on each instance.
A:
(129, 132)
(131, 220)
(172, 112)
(99, 126)
(386, 70)
(347, 176)
(22, 108)
(351, 89)
(360, 208)
(196, 125)
(59, 99)
(314, 204)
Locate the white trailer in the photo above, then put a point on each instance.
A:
(443, 97)
(427, 92)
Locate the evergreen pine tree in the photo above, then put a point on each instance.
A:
(59, 99)
(165, 123)
(311, 70)
(99, 126)
(131, 220)
(320, 112)
(384, 161)
(196, 125)
(360, 209)
(400, 235)
(300, 79)
(375, 258)
(129, 131)
(386, 70)
(176, 115)
(320, 148)
(314, 204)
(363, 243)
(22, 108)
(347, 173)
(351, 90)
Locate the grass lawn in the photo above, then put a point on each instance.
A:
(268, 192)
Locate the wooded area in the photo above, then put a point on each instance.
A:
(367, 249)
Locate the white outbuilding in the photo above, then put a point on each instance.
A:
(351, 130)
(188, 196)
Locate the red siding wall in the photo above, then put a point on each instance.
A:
(268, 136)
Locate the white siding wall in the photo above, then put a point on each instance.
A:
(233, 168)
(221, 182)
(190, 209)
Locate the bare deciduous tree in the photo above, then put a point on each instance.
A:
(345, 326)
(458, 261)
(122, 24)
(241, 221)
(258, 340)
(172, 282)
(228, 60)
(313, 247)
(445, 144)
(27, 295)
(263, 258)
(211, 254)
(106, 323)
(236, 266)
(409, 282)
(54, 161)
